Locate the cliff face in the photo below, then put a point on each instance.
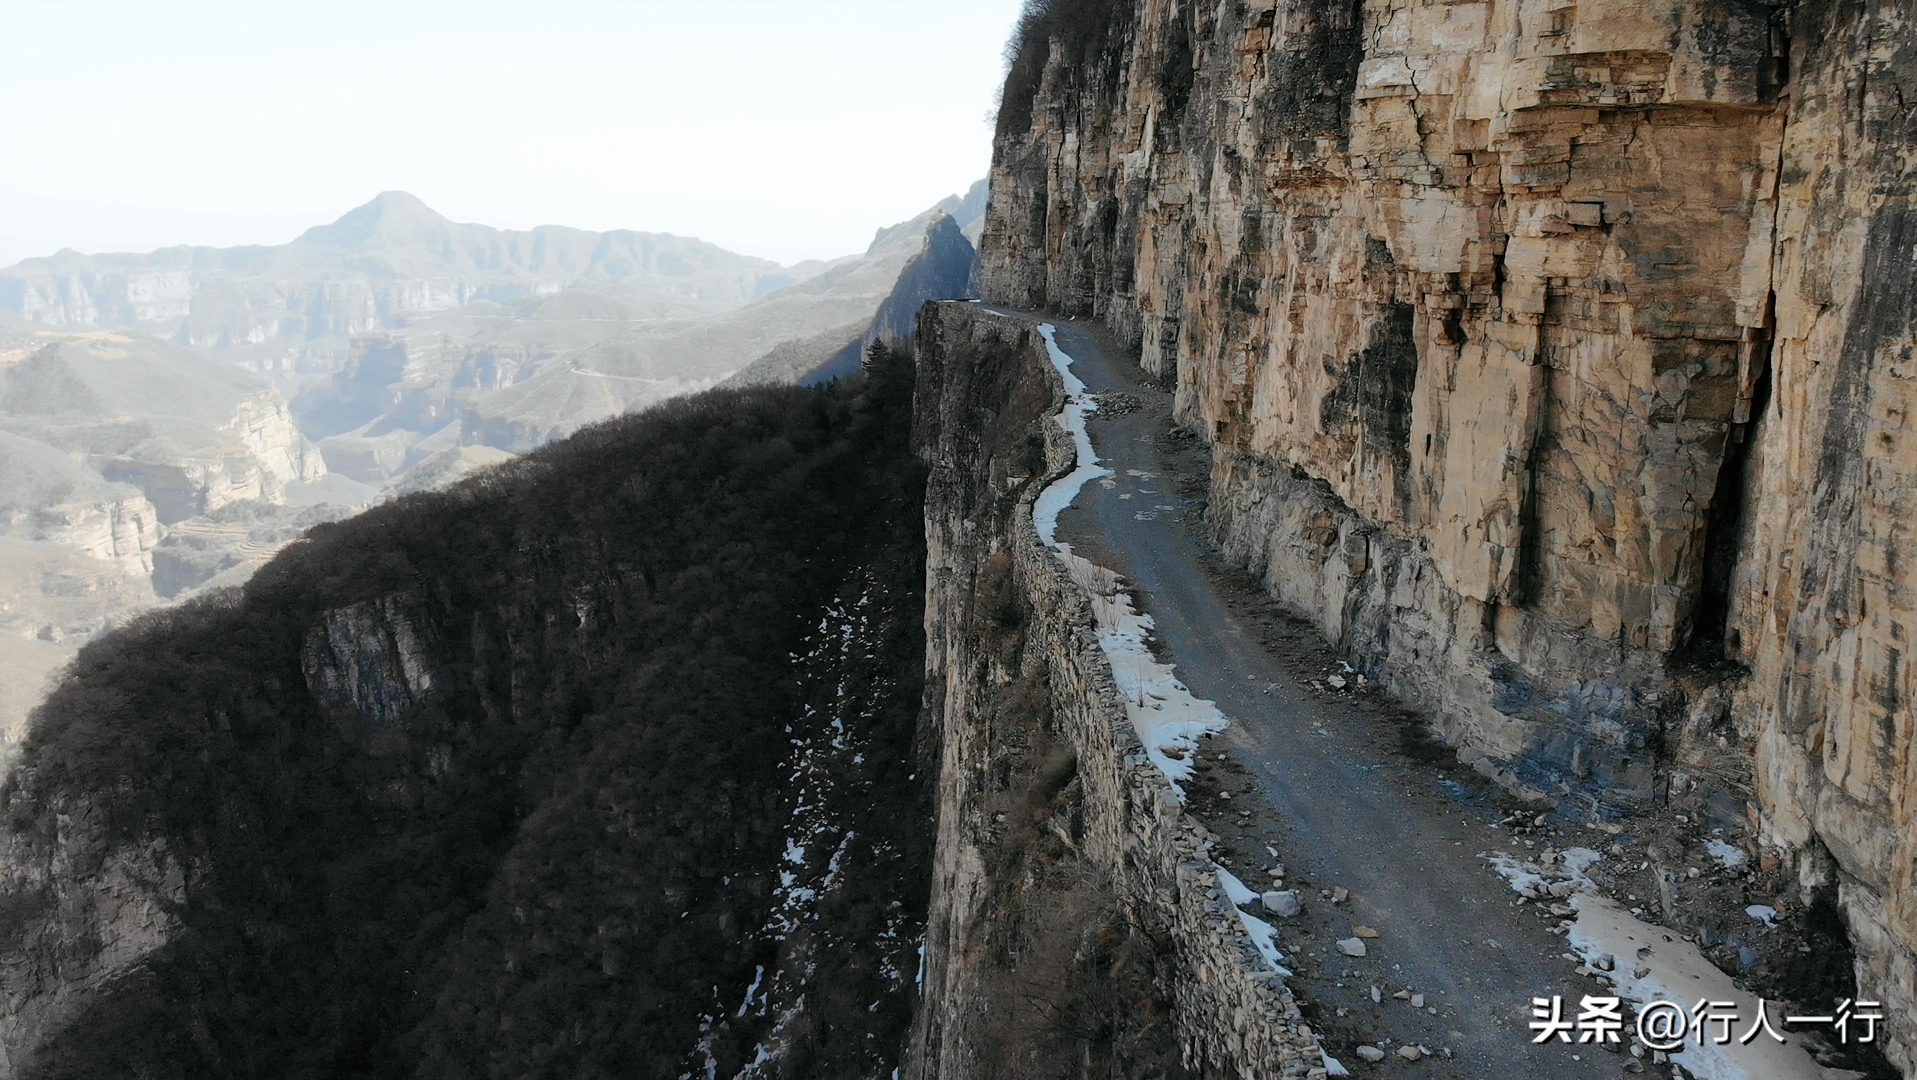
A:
(80, 910)
(1556, 357)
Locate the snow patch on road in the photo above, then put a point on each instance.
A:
(1674, 970)
(1263, 935)
(1078, 405)
(1236, 890)
(1731, 857)
(1525, 878)
(1579, 859)
(1169, 720)
(1554, 875)
(1617, 946)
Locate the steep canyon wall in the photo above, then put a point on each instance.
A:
(1557, 357)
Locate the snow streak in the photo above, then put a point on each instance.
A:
(841, 673)
(1168, 718)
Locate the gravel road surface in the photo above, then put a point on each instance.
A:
(1346, 792)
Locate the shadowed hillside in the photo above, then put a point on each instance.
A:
(599, 763)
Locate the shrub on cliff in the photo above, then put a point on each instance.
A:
(1086, 33)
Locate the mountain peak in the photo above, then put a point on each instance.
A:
(389, 207)
(390, 216)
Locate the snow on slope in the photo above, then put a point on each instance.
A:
(829, 781)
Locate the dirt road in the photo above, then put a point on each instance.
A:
(1342, 787)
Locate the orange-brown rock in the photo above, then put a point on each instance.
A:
(1558, 359)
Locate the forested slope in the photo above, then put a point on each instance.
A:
(597, 764)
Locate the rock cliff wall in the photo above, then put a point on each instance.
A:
(1043, 784)
(80, 910)
(1557, 360)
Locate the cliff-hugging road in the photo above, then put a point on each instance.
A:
(1344, 793)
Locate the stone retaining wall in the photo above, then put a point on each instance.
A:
(1234, 1015)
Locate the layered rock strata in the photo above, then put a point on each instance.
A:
(1557, 360)
(113, 449)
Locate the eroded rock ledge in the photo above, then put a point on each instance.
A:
(1558, 361)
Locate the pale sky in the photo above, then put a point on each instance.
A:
(786, 130)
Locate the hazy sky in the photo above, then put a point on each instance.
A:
(786, 130)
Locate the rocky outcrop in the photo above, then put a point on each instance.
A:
(48, 497)
(1028, 726)
(366, 666)
(942, 270)
(185, 488)
(123, 531)
(1555, 360)
(81, 908)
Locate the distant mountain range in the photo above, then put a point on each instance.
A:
(397, 335)
(380, 263)
(170, 419)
